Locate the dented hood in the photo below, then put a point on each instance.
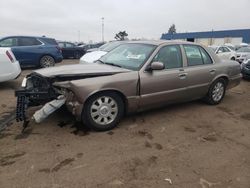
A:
(80, 69)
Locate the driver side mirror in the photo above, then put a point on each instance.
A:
(156, 66)
(219, 51)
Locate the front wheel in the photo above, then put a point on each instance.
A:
(103, 111)
(47, 61)
(216, 92)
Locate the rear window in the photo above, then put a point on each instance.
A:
(196, 55)
(49, 41)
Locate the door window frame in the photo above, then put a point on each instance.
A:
(198, 46)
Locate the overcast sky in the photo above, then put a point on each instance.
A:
(62, 19)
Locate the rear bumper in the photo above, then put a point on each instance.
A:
(13, 74)
(234, 81)
(59, 59)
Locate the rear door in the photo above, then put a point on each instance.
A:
(199, 69)
(28, 51)
(69, 49)
(159, 87)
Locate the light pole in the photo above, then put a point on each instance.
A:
(79, 36)
(102, 29)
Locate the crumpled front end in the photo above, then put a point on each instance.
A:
(36, 90)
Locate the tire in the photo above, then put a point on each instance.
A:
(77, 55)
(103, 111)
(216, 92)
(47, 61)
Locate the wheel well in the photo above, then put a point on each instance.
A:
(124, 99)
(47, 55)
(233, 58)
(224, 78)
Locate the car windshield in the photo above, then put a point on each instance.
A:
(214, 48)
(110, 46)
(244, 49)
(129, 56)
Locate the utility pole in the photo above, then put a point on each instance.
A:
(79, 36)
(102, 29)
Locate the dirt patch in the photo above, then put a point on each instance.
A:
(189, 129)
(226, 110)
(58, 166)
(145, 133)
(158, 146)
(246, 116)
(9, 159)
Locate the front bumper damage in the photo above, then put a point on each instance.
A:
(36, 91)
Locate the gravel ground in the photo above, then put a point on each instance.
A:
(186, 145)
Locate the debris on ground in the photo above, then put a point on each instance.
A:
(168, 180)
(49, 108)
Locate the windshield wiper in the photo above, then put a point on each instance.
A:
(112, 64)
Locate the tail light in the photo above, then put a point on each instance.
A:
(59, 49)
(10, 56)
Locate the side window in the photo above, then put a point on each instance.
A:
(193, 55)
(170, 56)
(205, 56)
(221, 50)
(9, 42)
(226, 49)
(69, 45)
(61, 45)
(27, 41)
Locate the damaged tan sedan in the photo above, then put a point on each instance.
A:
(133, 77)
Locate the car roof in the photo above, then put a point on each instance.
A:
(41, 37)
(160, 42)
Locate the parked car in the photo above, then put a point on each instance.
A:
(70, 50)
(91, 46)
(245, 69)
(10, 68)
(33, 51)
(243, 54)
(93, 55)
(133, 77)
(224, 52)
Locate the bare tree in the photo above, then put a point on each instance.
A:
(172, 29)
(122, 35)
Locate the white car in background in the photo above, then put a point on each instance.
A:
(224, 52)
(243, 54)
(93, 56)
(10, 68)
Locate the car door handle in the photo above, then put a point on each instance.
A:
(212, 71)
(183, 75)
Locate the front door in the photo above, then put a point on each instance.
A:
(159, 87)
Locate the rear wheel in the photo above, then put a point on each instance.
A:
(103, 111)
(77, 55)
(216, 92)
(47, 61)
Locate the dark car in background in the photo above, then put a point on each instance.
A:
(33, 51)
(92, 46)
(70, 50)
(245, 69)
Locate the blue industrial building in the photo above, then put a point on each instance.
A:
(212, 37)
